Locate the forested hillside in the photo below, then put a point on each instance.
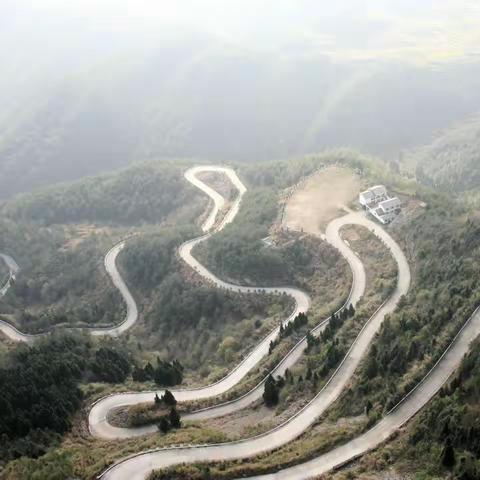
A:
(452, 161)
(59, 237)
(211, 101)
(40, 389)
(143, 193)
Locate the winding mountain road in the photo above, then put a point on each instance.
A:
(98, 416)
(111, 267)
(140, 466)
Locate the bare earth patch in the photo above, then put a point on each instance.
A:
(314, 204)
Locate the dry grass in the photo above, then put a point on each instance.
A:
(317, 202)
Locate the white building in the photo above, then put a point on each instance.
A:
(379, 204)
(373, 195)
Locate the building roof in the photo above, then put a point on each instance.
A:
(391, 202)
(367, 195)
(378, 190)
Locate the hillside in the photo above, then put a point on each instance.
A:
(60, 235)
(203, 99)
(452, 161)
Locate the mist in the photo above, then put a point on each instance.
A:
(89, 86)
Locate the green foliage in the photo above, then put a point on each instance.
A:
(55, 465)
(444, 241)
(446, 434)
(40, 393)
(169, 399)
(285, 173)
(149, 258)
(168, 374)
(452, 161)
(300, 321)
(146, 192)
(174, 418)
(170, 421)
(271, 392)
(110, 365)
(164, 374)
(238, 252)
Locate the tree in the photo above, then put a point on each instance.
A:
(270, 395)
(169, 399)
(448, 455)
(164, 425)
(139, 375)
(110, 365)
(311, 340)
(157, 399)
(149, 371)
(174, 418)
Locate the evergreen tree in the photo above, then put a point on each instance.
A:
(174, 418)
(448, 455)
(169, 399)
(164, 425)
(149, 371)
(157, 399)
(270, 395)
(311, 340)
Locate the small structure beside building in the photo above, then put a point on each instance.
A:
(379, 204)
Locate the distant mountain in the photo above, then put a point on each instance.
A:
(452, 161)
(199, 98)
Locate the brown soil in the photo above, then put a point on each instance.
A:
(319, 200)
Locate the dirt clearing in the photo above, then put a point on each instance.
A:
(318, 200)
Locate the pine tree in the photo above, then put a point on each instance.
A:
(164, 425)
(169, 399)
(270, 395)
(158, 400)
(448, 455)
(174, 418)
(311, 340)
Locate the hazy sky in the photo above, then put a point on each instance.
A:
(41, 41)
(433, 29)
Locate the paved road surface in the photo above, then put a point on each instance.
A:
(403, 412)
(111, 267)
(140, 466)
(98, 423)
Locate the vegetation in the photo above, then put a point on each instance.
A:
(63, 281)
(238, 252)
(271, 392)
(165, 373)
(443, 440)
(320, 438)
(143, 193)
(40, 391)
(442, 241)
(451, 162)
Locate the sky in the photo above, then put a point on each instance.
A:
(422, 29)
(42, 41)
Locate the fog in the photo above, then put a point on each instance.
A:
(88, 85)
